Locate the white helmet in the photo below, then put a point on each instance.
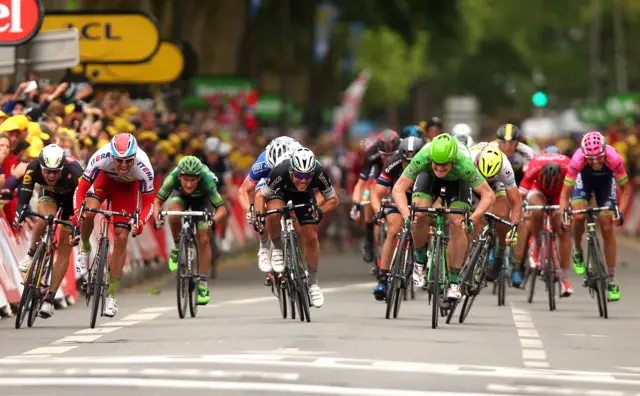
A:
(303, 160)
(466, 139)
(52, 157)
(461, 130)
(211, 145)
(278, 147)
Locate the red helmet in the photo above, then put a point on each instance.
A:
(124, 146)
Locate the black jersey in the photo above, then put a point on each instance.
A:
(391, 171)
(372, 164)
(66, 184)
(280, 181)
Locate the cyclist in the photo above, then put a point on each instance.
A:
(594, 170)
(494, 166)
(221, 167)
(445, 162)
(277, 150)
(431, 128)
(296, 179)
(412, 130)
(384, 147)
(542, 185)
(192, 185)
(57, 174)
(117, 171)
(391, 172)
(463, 133)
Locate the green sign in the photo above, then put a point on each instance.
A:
(205, 88)
(594, 115)
(269, 108)
(625, 104)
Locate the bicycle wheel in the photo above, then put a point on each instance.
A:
(466, 276)
(403, 281)
(602, 284)
(37, 293)
(479, 272)
(434, 274)
(531, 274)
(502, 283)
(302, 284)
(29, 286)
(393, 287)
(281, 293)
(98, 279)
(193, 278)
(290, 276)
(182, 276)
(549, 271)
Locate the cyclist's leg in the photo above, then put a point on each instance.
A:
(458, 196)
(580, 196)
(370, 234)
(394, 223)
(264, 250)
(97, 193)
(61, 264)
(175, 202)
(564, 249)
(273, 229)
(423, 197)
(606, 195)
(310, 244)
(46, 205)
(204, 261)
(502, 209)
(536, 197)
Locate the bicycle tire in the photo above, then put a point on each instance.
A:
(549, 270)
(602, 276)
(304, 299)
(182, 276)
(97, 287)
(530, 274)
(502, 284)
(290, 277)
(392, 286)
(402, 281)
(469, 298)
(281, 294)
(27, 290)
(37, 295)
(466, 276)
(435, 283)
(193, 278)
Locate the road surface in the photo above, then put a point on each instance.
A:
(241, 346)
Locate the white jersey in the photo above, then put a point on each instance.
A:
(102, 161)
(506, 176)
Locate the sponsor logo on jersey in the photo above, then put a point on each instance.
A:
(27, 177)
(256, 168)
(144, 169)
(389, 168)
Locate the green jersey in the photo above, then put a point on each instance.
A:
(463, 168)
(206, 187)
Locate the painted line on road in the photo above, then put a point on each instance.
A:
(258, 387)
(553, 390)
(86, 336)
(533, 354)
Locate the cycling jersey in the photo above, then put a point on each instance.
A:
(260, 169)
(279, 181)
(391, 171)
(506, 176)
(463, 168)
(530, 181)
(206, 187)
(520, 158)
(373, 162)
(101, 180)
(66, 184)
(612, 164)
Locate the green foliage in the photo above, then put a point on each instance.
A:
(395, 64)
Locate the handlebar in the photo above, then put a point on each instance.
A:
(285, 210)
(440, 210)
(568, 212)
(493, 218)
(107, 214)
(388, 203)
(544, 208)
(51, 218)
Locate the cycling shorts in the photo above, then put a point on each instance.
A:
(199, 204)
(603, 187)
(552, 198)
(123, 196)
(304, 215)
(64, 201)
(458, 192)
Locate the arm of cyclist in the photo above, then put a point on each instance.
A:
(247, 188)
(487, 198)
(399, 194)
(147, 192)
(214, 196)
(323, 183)
(378, 193)
(515, 201)
(25, 191)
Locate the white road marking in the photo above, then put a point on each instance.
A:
(119, 323)
(560, 376)
(157, 309)
(290, 351)
(141, 316)
(78, 338)
(533, 354)
(97, 330)
(50, 350)
(553, 390)
(586, 335)
(219, 385)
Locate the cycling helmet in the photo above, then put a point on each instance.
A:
(388, 142)
(551, 150)
(465, 139)
(124, 146)
(189, 166)
(302, 161)
(412, 130)
(443, 149)
(549, 177)
(489, 162)
(461, 130)
(211, 145)
(508, 132)
(52, 158)
(278, 147)
(409, 147)
(433, 122)
(593, 144)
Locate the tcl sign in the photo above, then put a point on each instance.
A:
(20, 21)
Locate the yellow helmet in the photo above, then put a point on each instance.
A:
(489, 162)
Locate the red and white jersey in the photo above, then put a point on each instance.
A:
(102, 161)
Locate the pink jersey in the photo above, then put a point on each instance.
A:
(612, 160)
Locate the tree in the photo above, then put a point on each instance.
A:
(395, 67)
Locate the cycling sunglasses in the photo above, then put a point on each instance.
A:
(125, 160)
(302, 176)
(594, 157)
(52, 171)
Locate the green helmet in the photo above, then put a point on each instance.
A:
(443, 149)
(190, 166)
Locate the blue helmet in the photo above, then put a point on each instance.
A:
(552, 150)
(412, 130)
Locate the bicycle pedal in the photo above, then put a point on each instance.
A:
(268, 282)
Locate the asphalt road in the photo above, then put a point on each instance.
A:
(241, 346)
